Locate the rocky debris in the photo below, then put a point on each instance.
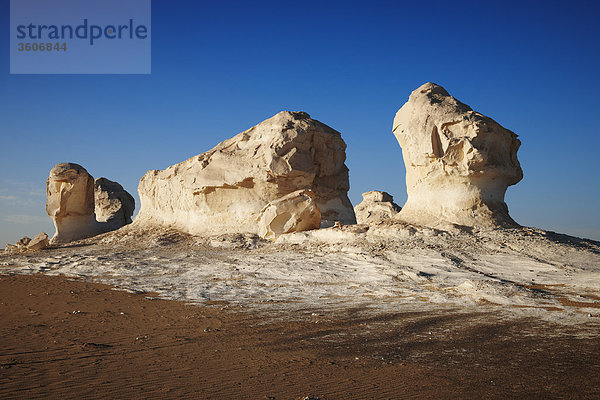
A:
(39, 242)
(376, 207)
(113, 204)
(224, 190)
(11, 247)
(71, 203)
(459, 162)
(295, 212)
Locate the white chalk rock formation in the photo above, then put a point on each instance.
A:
(459, 162)
(72, 205)
(376, 207)
(295, 212)
(114, 206)
(225, 189)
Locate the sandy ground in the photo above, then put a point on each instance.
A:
(62, 338)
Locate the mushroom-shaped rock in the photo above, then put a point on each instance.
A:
(459, 162)
(294, 212)
(114, 206)
(224, 190)
(376, 207)
(70, 202)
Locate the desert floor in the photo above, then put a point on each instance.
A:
(66, 338)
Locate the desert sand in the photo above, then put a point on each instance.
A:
(67, 338)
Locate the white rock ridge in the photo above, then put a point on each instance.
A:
(73, 200)
(459, 162)
(376, 207)
(295, 212)
(224, 190)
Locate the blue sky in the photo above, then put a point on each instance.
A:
(219, 68)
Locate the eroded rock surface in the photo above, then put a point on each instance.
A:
(295, 212)
(459, 162)
(376, 207)
(225, 189)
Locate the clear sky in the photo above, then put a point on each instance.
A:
(219, 68)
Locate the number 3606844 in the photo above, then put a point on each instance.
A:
(42, 46)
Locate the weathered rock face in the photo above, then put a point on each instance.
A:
(73, 199)
(113, 205)
(376, 207)
(225, 189)
(70, 202)
(459, 163)
(295, 212)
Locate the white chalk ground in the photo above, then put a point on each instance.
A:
(389, 267)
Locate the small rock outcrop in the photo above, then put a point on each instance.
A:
(295, 212)
(225, 190)
(74, 200)
(39, 242)
(459, 162)
(376, 207)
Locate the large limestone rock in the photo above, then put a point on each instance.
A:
(74, 199)
(459, 162)
(225, 189)
(295, 212)
(376, 207)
